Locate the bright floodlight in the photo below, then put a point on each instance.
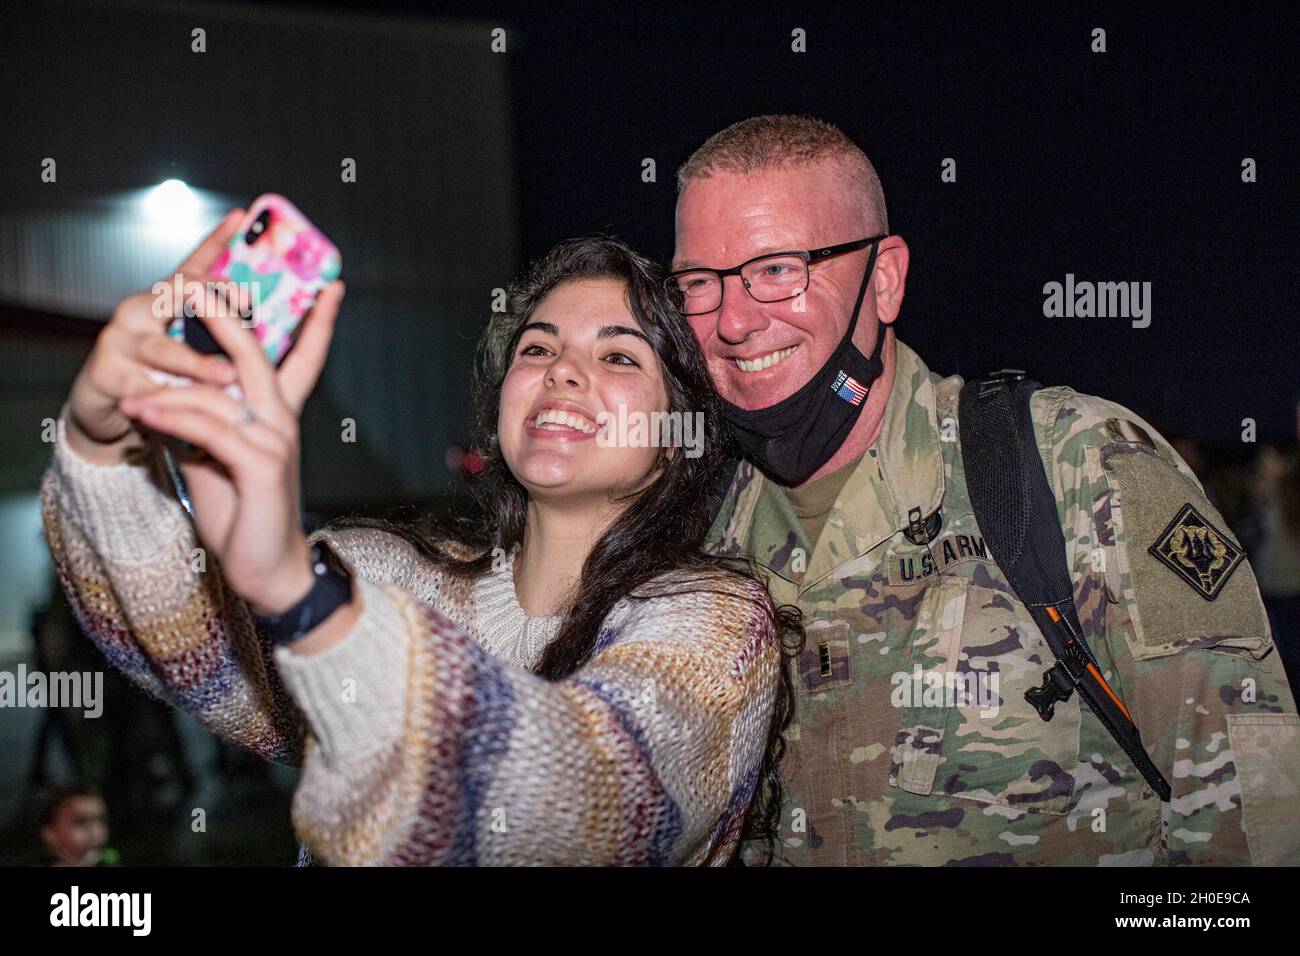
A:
(172, 205)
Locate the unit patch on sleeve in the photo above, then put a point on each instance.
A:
(1197, 552)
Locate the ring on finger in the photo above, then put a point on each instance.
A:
(245, 414)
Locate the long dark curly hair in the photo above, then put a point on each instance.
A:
(663, 526)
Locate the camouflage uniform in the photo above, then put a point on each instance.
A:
(879, 771)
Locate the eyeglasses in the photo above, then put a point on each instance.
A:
(774, 277)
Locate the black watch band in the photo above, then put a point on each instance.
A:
(331, 588)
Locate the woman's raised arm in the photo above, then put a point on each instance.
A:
(155, 596)
(158, 606)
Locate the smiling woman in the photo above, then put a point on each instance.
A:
(563, 677)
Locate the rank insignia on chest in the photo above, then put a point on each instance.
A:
(1197, 552)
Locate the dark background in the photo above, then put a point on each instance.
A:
(1123, 166)
(1117, 166)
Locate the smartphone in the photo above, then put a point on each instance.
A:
(284, 262)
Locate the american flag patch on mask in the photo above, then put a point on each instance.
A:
(849, 388)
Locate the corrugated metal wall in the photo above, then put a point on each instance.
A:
(276, 103)
(82, 261)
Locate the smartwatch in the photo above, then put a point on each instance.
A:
(331, 588)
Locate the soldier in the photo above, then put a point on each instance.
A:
(913, 741)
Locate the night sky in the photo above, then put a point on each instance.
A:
(1122, 166)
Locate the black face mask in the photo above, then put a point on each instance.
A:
(793, 438)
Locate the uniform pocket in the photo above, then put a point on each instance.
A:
(995, 747)
(925, 694)
(1263, 748)
(816, 828)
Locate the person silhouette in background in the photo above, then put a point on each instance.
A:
(1272, 537)
(133, 751)
(47, 620)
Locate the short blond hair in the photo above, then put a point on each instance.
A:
(774, 142)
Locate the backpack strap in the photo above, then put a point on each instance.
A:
(721, 485)
(1015, 509)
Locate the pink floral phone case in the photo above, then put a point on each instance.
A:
(284, 262)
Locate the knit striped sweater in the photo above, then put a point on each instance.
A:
(423, 739)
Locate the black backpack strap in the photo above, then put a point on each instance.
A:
(1015, 509)
(721, 484)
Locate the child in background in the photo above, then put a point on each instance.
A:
(74, 827)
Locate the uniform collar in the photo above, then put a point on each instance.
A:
(903, 470)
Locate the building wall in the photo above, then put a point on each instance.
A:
(276, 103)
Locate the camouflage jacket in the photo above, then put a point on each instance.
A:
(913, 742)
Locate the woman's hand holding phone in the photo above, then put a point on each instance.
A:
(244, 490)
(128, 352)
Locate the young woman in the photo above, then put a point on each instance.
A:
(566, 679)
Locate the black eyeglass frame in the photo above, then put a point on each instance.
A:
(809, 256)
